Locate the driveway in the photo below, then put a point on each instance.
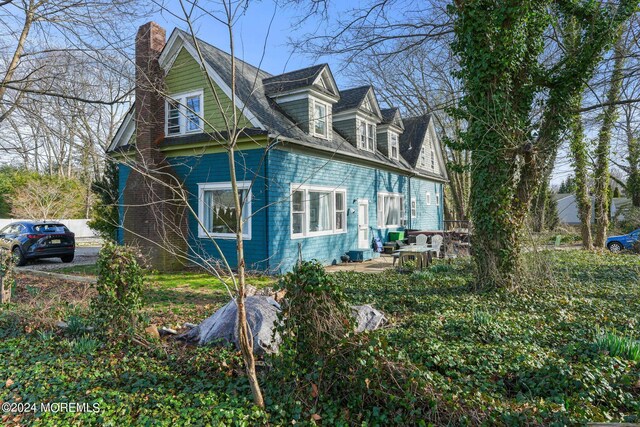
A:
(84, 255)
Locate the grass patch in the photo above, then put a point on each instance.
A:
(533, 357)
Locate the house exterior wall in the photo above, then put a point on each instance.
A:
(361, 182)
(210, 168)
(347, 129)
(271, 247)
(185, 76)
(298, 110)
(382, 141)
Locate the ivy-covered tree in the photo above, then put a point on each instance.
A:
(602, 176)
(517, 102)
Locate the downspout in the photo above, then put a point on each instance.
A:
(409, 210)
(266, 200)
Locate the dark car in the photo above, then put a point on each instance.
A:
(30, 240)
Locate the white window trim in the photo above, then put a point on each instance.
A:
(305, 233)
(242, 185)
(414, 207)
(397, 144)
(327, 117)
(181, 99)
(428, 198)
(402, 214)
(363, 145)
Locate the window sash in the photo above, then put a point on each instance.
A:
(320, 119)
(216, 212)
(414, 207)
(317, 211)
(391, 210)
(428, 198)
(184, 113)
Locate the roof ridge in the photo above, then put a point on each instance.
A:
(297, 70)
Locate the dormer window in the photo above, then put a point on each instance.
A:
(320, 118)
(366, 136)
(394, 149)
(183, 114)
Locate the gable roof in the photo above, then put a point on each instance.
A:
(411, 141)
(318, 76)
(391, 116)
(266, 116)
(415, 130)
(355, 98)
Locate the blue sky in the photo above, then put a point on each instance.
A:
(253, 35)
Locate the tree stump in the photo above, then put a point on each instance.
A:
(6, 282)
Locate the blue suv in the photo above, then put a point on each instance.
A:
(618, 243)
(29, 240)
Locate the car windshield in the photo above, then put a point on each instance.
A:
(50, 228)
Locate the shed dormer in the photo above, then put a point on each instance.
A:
(389, 132)
(357, 115)
(307, 96)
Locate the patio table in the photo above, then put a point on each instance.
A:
(422, 255)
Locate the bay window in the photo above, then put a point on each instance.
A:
(184, 113)
(217, 212)
(317, 211)
(391, 211)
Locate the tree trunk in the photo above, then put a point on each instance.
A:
(633, 181)
(244, 338)
(602, 185)
(579, 153)
(496, 231)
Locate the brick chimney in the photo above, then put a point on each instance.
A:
(154, 220)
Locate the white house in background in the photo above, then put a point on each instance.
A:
(568, 210)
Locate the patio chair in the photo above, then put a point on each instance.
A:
(421, 240)
(436, 244)
(401, 244)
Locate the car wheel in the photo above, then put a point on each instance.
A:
(67, 258)
(18, 258)
(615, 247)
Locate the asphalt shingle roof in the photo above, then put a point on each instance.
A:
(351, 98)
(292, 80)
(251, 91)
(411, 139)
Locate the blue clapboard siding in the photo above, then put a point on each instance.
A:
(215, 168)
(361, 182)
(429, 217)
(271, 247)
(123, 176)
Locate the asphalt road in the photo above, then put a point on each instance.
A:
(84, 255)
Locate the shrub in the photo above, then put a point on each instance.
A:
(326, 371)
(120, 286)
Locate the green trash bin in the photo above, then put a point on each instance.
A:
(396, 235)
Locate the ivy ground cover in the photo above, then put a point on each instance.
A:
(558, 352)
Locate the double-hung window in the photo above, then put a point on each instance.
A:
(317, 211)
(184, 113)
(414, 207)
(217, 212)
(423, 157)
(371, 137)
(366, 136)
(390, 210)
(428, 199)
(393, 145)
(320, 119)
